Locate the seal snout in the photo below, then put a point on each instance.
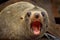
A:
(36, 15)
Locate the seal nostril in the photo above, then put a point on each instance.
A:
(36, 15)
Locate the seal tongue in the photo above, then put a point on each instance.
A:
(36, 27)
(36, 30)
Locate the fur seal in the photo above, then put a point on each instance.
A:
(23, 21)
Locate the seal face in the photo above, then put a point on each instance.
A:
(36, 21)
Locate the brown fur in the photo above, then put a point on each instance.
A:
(13, 24)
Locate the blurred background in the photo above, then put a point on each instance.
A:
(52, 7)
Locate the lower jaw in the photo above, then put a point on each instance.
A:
(36, 33)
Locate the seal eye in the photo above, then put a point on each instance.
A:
(28, 14)
(43, 14)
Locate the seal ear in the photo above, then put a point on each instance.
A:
(21, 17)
(45, 18)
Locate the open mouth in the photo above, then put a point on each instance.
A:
(36, 27)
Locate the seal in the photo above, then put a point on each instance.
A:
(23, 21)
